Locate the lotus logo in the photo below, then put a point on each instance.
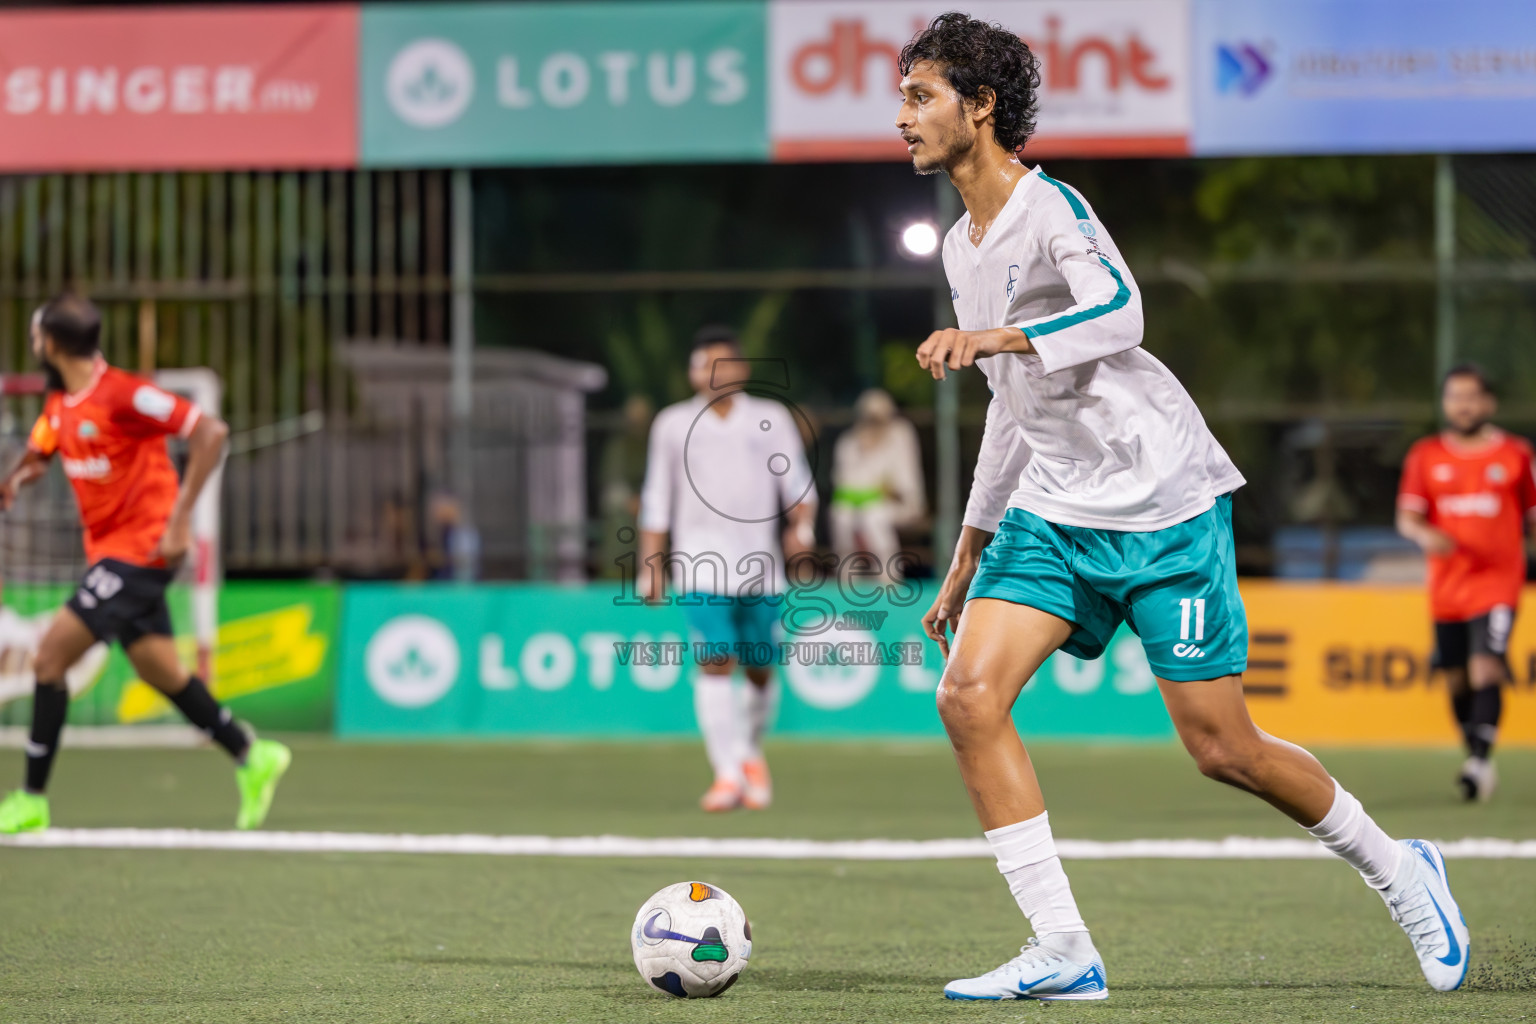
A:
(1241, 68)
(412, 661)
(430, 83)
(412, 666)
(832, 687)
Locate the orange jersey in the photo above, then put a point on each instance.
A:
(1480, 497)
(110, 436)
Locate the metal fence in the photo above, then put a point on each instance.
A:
(255, 275)
(262, 275)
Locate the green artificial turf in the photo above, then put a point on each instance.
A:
(89, 935)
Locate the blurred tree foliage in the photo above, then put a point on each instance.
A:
(1245, 267)
(1265, 340)
(1273, 340)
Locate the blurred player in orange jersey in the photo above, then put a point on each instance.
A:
(109, 428)
(1465, 497)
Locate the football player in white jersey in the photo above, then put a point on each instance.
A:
(1100, 497)
(722, 470)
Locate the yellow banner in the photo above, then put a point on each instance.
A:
(255, 653)
(1347, 663)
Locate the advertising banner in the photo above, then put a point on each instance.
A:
(527, 660)
(1329, 664)
(1115, 74)
(604, 82)
(274, 663)
(179, 89)
(1369, 76)
(1349, 664)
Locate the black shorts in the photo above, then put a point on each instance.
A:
(123, 602)
(1456, 642)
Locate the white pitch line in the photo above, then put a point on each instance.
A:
(1231, 848)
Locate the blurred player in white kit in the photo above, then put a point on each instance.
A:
(724, 470)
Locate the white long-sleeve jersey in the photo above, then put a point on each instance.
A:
(1090, 429)
(719, 485)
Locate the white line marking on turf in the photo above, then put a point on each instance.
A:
(1231, 848)
(113, 736)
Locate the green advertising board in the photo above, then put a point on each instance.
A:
(563, 83)
(274, 663)
(537, 660)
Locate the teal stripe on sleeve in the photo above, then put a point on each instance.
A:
(1121, 297)
(1078, 209)
(1122, 293)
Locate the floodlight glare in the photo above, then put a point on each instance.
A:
(920, 239)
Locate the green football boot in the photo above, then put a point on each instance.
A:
(265, 763)
(21, 811)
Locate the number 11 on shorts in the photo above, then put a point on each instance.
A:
(1199, 606)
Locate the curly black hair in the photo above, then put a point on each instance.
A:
(975, 54)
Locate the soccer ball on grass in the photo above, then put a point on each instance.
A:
(691, 940)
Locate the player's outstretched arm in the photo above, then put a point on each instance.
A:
(205, 447)
(955, 349)
(28, 469)
(799, 531)
(944, 615)
(651, 571)
(1416, 527)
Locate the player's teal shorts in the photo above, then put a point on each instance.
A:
(1176, 588)
(747, 626)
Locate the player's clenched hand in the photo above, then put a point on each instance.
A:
(952, 349)
(1437, 542)
(175, 541)
(650, 585)
(7, 494)
(945, 613)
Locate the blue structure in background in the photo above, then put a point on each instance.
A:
(1363, 76)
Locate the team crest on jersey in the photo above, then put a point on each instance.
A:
(1013, 280)
(87, 430)
(1496, 474)
(1442, 472)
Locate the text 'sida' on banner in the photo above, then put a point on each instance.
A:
(1350, 664)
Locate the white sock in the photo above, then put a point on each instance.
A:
(1349, 832)
(758, 705)
(714, 705)
(1026, 856)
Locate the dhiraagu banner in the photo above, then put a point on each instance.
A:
(274, 665)
(534, 660)
(604, 82)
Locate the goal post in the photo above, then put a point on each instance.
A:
(203, 387)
